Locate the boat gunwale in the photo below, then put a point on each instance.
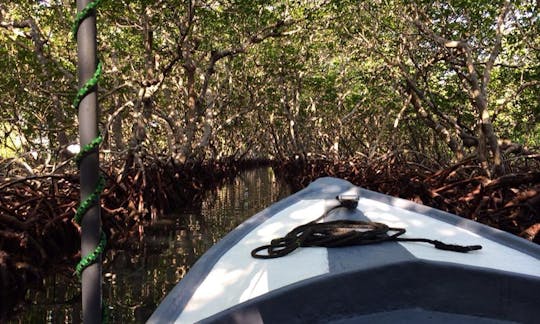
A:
(323, 188)
(508, 294)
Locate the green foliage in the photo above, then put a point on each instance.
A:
(328, 77)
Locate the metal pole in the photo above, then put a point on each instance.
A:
(89, 166)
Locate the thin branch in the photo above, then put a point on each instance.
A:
(496, 47)
(10, 182)
(516, 93)
(272, 31)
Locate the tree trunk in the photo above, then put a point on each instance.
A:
(478, 84)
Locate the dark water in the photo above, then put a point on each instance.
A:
(135, 281)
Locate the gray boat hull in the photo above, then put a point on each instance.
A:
(391, 281)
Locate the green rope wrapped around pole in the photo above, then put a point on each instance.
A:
(92, 183)
(87, 87)
(88, 10)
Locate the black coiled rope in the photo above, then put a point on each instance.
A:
(341, 233)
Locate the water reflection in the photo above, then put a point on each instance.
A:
(136, 280)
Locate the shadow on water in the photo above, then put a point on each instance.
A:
(136, 280)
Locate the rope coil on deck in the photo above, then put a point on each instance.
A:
(340, 233)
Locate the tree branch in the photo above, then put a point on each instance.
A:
(496, 47)
(38, 40)
(271, 31)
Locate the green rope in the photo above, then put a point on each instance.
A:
(82, 15)
(93, 198)
(92, 256)
(88, 86)
(93, 145)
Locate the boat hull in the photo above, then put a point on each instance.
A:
(399, 280)
(413, 292)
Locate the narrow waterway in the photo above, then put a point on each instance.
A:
(136, 280)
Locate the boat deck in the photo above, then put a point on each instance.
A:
(356, 283)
